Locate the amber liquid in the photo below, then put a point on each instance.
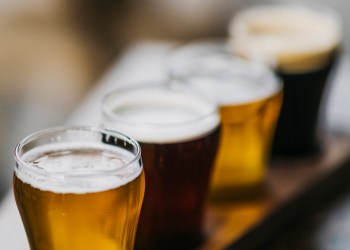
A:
(245, 142)
(65, 221)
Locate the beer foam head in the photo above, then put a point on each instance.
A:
(77, 167)
(211, 67)
(160, 113)
(294, 37)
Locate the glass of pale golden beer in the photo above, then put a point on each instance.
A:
(79, 188)
(178, 130)
(250, 97)
(302, 42)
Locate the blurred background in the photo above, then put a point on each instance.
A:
(53, 52)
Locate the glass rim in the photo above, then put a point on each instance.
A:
(200, 47)
(212, 46)
(322, 7)
(47, 132)
(111, 116)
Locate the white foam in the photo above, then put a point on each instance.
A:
(210, 67)
(236, 92)
(157, 115)
(296, 37)
(77, 168)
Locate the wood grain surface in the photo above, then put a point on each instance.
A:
(294, 187)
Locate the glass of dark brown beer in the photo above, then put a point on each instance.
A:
(302, 42)
(250, 97)
(178, 130)
(79, 188)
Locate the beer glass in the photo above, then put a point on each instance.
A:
(250, 98)
(302, 43)
(79, 188)
(178, 130)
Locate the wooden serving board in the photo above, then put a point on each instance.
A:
(294, 187)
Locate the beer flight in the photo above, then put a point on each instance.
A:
(143, 179)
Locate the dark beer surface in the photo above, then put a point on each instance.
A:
(176, 173)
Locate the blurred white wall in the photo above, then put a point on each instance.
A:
(46, 66)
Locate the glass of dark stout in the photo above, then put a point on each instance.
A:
(302, 42)
(178, 130)
(79, 188)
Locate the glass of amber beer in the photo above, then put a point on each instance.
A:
(79, 188)
(178, 130)
(302, 42)
(250, 98)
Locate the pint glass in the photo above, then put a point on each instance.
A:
(79, 188)
(302, 42)
(178, 130)
(250, 98)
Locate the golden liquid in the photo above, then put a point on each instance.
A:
(244, 149)
(98, 221)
